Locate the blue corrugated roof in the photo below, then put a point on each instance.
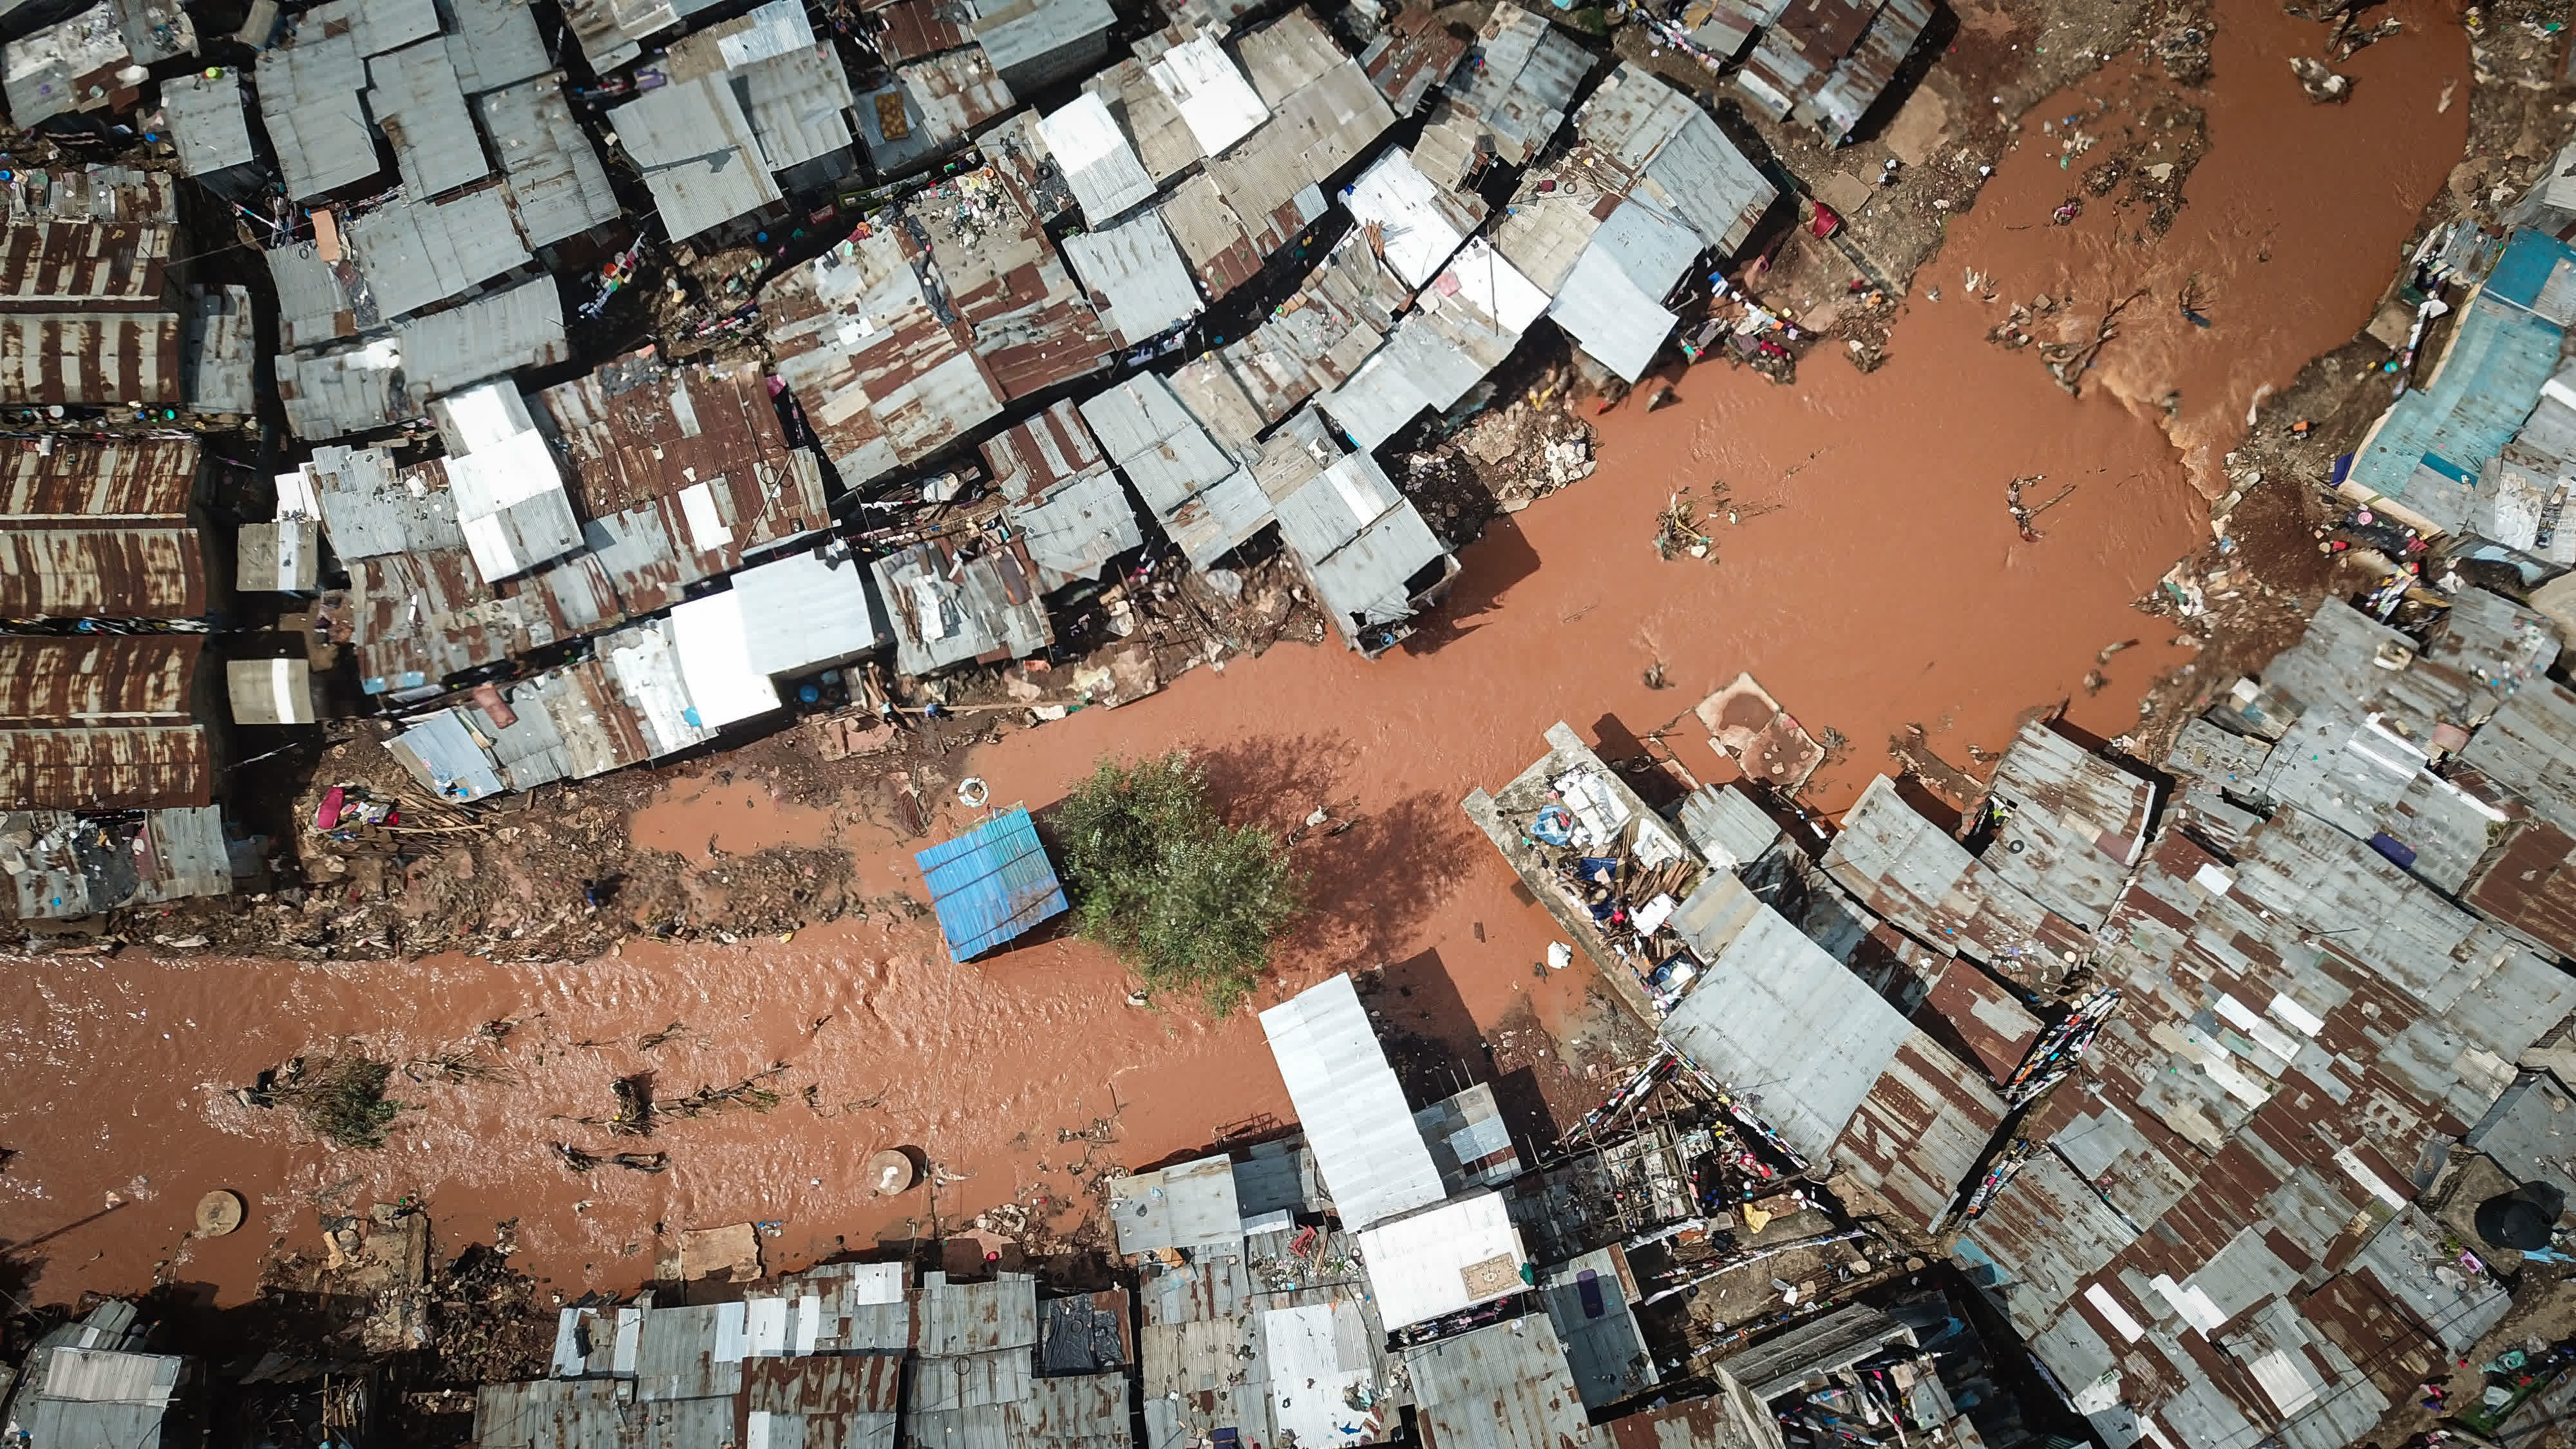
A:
(2489, 380)
(990, 884)
(2529, 257)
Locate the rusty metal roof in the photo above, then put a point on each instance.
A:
(956, 599)
(137, 767)
(975, 1317)
(1980, 1014)
(1904, 869)
(1414, 54)
(700, 445)
(1522, 76)
(846, 1402)
(911, 29)
(1503, 1387)
(1038, 455)
(108, 573)
(82, 480)
(95, 680)
(886, 372)
(78, 264)
(1676, 155)
(1029, 323)
(90, 359)
(2072, 823)
(1827, 61)
(2530, 886)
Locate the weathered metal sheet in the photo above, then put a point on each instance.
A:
(79, 480)
(98, 680)
(106, 573)
(134, 767)
(1032, 458)
(1415, 54)
(911, 29)
(416, 100)
(1028, 323)
(90, 359)
(1503, 1387)
(557, 187)
(1983, 1016)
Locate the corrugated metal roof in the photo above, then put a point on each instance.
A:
(1615, 322)
(1437, 354)
(1413, 54)
(221, 345)
(1107, 179)
(2526, 1133)
(353, 390)
(1416, 224)
(209, 121)
(2529, 747)
(64, 480)
(404, 256)
(1359, 541)
(1028, 322)
(1677, 155)
(369, 508)
(1980, 1014)
(1040, 454)
(2530, 886)
(886, 375)
(822, 1403)
(510, 499)
(125, 767)
(1207, 501)
(698, 152)
(519, 327)
(952, 600)
(1321, 336)
(1352, 1107)
(1827, 61)
(1035, 43)
(808, 611)
(1203, 83)
(1270, 180)
(91, 241)
(419, 104)
(83, 864)
(97, 680)
(1071, 537)
(1189, 1205)
(1520, 76)
(2073, 823)
(1730, 1418)
(1503, 1387)
(105, 573)
(89, 359)
(929, 108)
(1210, 235)
(799, 104)
(1811, 1350)
(1136, 277)
(556, 185)
(699, 446)
(1208, 389)
(493, 43)
(690, 1353)
(309, 102)
(271, 691)
(1147, 118)
(1588, 1301)
(911, 29)
(69, 66)
(975, 1317)
(1906, 870)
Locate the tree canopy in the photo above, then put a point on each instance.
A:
(1160, 878)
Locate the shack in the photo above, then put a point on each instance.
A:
(991, 885)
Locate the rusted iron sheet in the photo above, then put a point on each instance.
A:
(911, 29)
(144, 767)
(701, 446)
(82, 481)
(64, 266)
(1981, 1015)
(89, 359)
(2531, 886)
(1906, 870)
(1921, 1129)
(89, 679)
(1027, 321)
(1415, 54)
(105, 573)
(1033, 458)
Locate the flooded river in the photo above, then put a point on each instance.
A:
(1874, 581)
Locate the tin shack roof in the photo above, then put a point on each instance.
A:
(499, 332)
(2073, 822)
(394, 261)
(310, 104)
(1323, 114)
(1676, 155)
(1025, 318)
(209, 121)
(1098, 163)
(417, 101)
(1828, 61)
(887, 375)
(1905, 870)
(556, 185)
(955, 599)
(90, 359)
(98, 680)
(1359, 541)
(1208, 89)
(1035, 43)
(1501, 1387)
(1523, 73)
(78, 480)
(124, 767)
(1190, 1205)
(699, 153)
(1413, 54)
(1206, 499)
(113, 572)
(1040, 454)
(1136, 277)
(220, 351)
(1364, 1139)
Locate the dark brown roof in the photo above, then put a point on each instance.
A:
(107, 573)
(93, 681)
(84, 481)
(143, 768)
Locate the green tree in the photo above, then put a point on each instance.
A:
(1158, 877)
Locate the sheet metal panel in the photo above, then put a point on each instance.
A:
(133, 767)
(698, 152)
(989, 886)
(1503, 1387)
(82, 480)
(90, 359)
(419, 104)
(556, 185)
(1136, 278)
(97, 680)
(1363, 1137)
(1027, 322)
(309, 104)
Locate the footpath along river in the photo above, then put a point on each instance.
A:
(1887, 587)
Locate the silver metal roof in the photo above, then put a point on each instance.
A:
(1362, 1135)
(1678, 156)
(1324, 114)
(698, 153)
(317, 124)
(1077, 530)
(1358, 540)
(1615, 322)
(1147, 118)
(1431, 360)
(414, 254)
(2528, 1132)
(1206, 499)
(975, 1317)
(1520, 76)
(947, 608)
(354, 390)
(557, 187)
(209, 121)
(1727, 828)
(1136, 277)
(2075, 824)
(1190, 1206)
(221, 351)
(2529, 747)
(1503, 1387)
(416, 100)
(690, 1353)
(1813, 1349)
(1098, 163)
(799, 104)
(492, 43)
(807, 611)
(503, 331)
(369, 509)
(1908, 871)
(1034, 43)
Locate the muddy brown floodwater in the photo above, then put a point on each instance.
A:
(1885, 585)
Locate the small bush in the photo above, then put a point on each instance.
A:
(1186, 899)
(340, 1098)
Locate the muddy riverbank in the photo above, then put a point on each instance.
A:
(1871, 576)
